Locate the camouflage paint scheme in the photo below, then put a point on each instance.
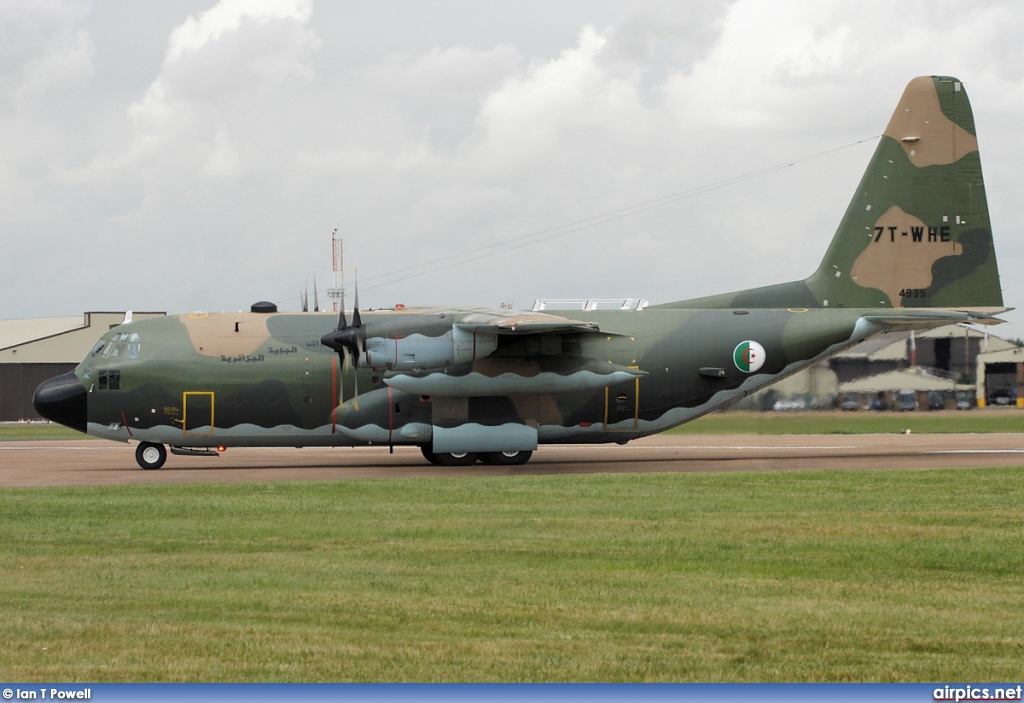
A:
(914, 250)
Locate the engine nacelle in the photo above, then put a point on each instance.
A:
(419, 352)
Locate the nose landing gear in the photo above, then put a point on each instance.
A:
(150, 456)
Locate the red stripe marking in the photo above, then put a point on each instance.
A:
(334, 392)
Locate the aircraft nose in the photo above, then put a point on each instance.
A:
(63, 399)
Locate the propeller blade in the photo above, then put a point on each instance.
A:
(357, 321)
(342, 323)
(316, 297)
(304, 297)
(348, 340)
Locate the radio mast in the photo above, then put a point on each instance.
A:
(338, 265)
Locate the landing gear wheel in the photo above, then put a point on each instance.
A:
(456, 458)
(506, 458)
(150, 456)
(430, 456)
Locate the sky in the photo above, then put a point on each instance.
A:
(198, 155)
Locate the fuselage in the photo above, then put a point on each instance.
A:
(252, 379)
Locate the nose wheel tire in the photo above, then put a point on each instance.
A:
(506, 458)
(150, 456)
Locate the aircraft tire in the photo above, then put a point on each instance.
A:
(506, 458)
(150, 456)
(456, 459)
(429, 455)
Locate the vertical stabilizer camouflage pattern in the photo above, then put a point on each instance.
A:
(917, 232)
(913, 251)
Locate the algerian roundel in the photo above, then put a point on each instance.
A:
(749, 356)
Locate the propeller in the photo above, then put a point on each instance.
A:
(348, 340)
(316, 297)
(304, 297)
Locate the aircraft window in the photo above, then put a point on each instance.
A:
(133, 350)
(116, 350)
(115, 380)
(98, 348)
(134, 337)
(103, 380)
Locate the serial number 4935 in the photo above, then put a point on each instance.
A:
(913, 292)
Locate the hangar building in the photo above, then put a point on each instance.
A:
(1001, 377)
(34, 350)
(948, 362)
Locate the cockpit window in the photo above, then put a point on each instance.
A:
(122, 345)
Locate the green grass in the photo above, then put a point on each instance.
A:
(787, 576)
(864, 422)
(41, 432)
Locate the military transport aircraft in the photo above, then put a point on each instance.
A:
(914, 250)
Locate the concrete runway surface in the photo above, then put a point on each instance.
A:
(102, 463)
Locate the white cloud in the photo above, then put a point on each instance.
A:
(228, 16)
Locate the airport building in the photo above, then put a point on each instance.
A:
(1001, 377)
(947, 367)
(34, 350)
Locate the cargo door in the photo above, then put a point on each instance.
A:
(197, 417)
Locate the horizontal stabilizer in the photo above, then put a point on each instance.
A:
(929, 318)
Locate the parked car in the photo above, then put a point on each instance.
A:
(791, 404)
(907, 400)
(1002, 396)
(850, 403)
(964, 401)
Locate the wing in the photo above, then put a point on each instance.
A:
(520, 322)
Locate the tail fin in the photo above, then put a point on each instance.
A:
(917, 232)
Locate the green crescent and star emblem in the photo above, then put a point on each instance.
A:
(749, 356)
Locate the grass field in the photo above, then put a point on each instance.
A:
(10, 432)
(943, 422)
(864, 422)
(788, 576)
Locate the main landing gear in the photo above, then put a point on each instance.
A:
(469, 458)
